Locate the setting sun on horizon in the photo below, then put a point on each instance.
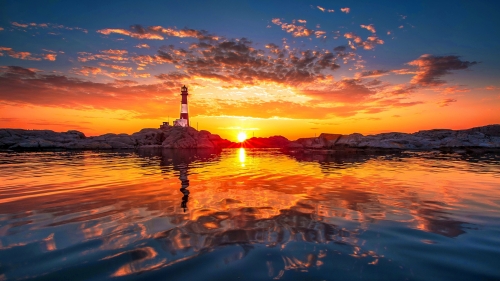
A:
(242, 136)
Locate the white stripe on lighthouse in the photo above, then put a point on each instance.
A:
(184, 108)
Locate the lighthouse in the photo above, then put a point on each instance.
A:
(184, 104)
(183, 121)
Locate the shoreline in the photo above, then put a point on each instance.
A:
(485, 139)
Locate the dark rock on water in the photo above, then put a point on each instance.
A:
(474, 139)
(486, 138)
(270, 142)
(170, 137)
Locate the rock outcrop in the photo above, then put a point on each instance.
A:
(169, 137)
(486, 137)
(479, 137)
(270, 142)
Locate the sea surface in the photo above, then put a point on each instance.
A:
(248, 214)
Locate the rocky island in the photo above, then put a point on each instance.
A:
(171, 137)
(485, 138)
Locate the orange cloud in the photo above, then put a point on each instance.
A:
(18, 55)
(88, 70)
(108, 31)
(295, 30)
(454, 90)
(17, 84)
(369, 44)
(142, 75)
(140, 46)
(369, 27)
(158, 32)
(319, 33)
(302, 21)
(345, 10)
(51, 57)
(116, 67)
(117, 74)
(320, 8)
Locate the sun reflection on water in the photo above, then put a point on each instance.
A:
(242, 156)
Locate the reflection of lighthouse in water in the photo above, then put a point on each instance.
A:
(183, 176)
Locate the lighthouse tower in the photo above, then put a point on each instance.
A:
(184, 104)
(183, 121)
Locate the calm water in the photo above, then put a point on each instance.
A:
(248, 215)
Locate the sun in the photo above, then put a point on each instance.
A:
(242, 136)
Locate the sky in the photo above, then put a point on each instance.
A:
(290, 68)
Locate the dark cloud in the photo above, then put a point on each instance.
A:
(372, 73)
(432, 68)
(238, 61)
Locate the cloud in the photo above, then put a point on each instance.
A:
(320, 33)
(21, 86)
(372, 73)
(117, 74)
(33, 25)
(51, 57)
(108, 31)
(88, 70)
(116, 67)
(432, 68)
(369, 27)
(19, 24)
(446, 102)
(295, 30)
(141, 75)
(158, 32)
(330, 11)
(117, 56)
(302, 21)
(140, 46)
(320, 8)
(115, 52)
(356, 41)
(1, 28)
(344, 91)
(345, 10)
(19, 55)
(453, 90)
(237, 61)
(125, 82)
